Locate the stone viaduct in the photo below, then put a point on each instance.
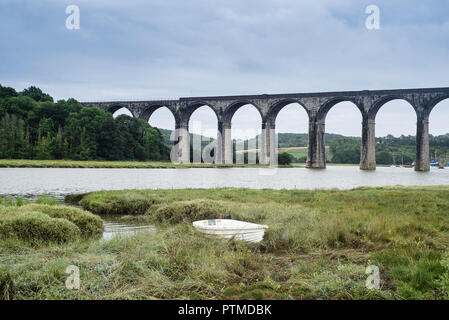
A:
(317, 105)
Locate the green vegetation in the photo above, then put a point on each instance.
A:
(285, 158)
(16, 163)
(32, 126)
(42, 223)
(318, 246)
(188, 211)
(119, 202)
(299, 154)
(346, 150)
(389, 150)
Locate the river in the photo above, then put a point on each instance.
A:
(61, 181)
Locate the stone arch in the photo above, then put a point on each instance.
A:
(329, 104)
(243, 130)
(335, 124)
(372, 113)
(233, 107)
(117, 106)
(433, 103)
(192, 107)
(149, 110)
(397, 122)
(208, 128)
(276, 107)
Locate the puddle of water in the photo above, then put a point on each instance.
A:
(113, 229)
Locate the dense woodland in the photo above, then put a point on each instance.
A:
(33, 126)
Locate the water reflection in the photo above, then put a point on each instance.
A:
(113, 229)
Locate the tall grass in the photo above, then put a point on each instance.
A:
(40, 223)
(318, 246)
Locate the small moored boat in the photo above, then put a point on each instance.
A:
(227, 228)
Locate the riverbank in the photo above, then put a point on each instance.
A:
(13, 163)
(318, 246)
(24, 163)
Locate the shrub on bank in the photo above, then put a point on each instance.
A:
(74, 198)
(36, 227)
(188, 211)
(115, 202)
(90, 225)
(37, 224)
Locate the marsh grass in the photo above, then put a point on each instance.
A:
(119, 202)
(19, 201)
(188, 211)
(45, 199)
(24, 163)
(38, 224)
(318, 246)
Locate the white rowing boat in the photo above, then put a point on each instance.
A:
(227, 228)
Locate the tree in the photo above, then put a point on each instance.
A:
(33, 126)
(285, 158)
(56, 146)
(12, 137)
(384, 157)
(36, 94)
(6, 92)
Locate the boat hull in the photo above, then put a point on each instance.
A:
(231, 229)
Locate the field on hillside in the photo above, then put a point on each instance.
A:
(296, 152)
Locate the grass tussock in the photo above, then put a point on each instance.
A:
(41, 223)
(119, 203)
(90, 225)
(318, 246)
(188, 211)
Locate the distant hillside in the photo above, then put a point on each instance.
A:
(344, 149)
(285, 140)
(166, 137)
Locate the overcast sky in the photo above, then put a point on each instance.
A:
(134, 50)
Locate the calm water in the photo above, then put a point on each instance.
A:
(31, 182)
(113, 229)
(58, 182)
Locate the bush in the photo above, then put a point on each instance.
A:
(38, 223)
(285, 158)
(188, 211)
(89, 224)
(36, 227)
(122, 203)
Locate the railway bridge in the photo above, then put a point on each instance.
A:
(317, 105)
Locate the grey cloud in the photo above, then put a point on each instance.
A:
(171, 48)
